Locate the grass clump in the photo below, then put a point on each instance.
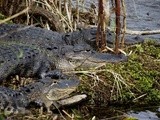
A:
(127, 82)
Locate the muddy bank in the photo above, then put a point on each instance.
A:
(141, 15)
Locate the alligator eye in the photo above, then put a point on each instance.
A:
(88, 50)
(71, 61)
(2, 61)
(9, 108)
(55, 47)
(55, 82)
(109, 33)
(67, 35)
(48, 48)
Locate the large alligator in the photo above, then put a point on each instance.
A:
(45, 91)
(30, 51)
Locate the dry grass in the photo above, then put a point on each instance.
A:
(70, 15)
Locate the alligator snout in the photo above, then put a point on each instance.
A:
(93, 58)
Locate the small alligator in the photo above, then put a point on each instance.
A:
(45, 91)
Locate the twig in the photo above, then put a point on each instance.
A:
(67, 114)
(136, 32)
(115, 117)
(77, 10)
(124, 23)
(68, 12)
(14, 16)
(101, 34)
(61, 16)
(55, 105)
(118, 25)
(140, 97)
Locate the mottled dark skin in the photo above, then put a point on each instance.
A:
(23, 60)
(35, 52)
(12, 101)
(45, 91)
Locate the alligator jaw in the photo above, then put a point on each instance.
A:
(68, 101)
(56, 94)
(107, 57)
(72, 100)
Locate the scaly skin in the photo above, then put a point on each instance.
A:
(36, 51)
(12, 101)
(49, 39)
(46, 91)
(25, 60)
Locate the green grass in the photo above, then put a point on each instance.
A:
(140, 77)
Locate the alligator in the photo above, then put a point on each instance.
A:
(30, 51)
(45, 91)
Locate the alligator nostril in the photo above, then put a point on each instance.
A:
(109, 33)
(55, 82)
(55, 47)
(48, 48)
(88, 50)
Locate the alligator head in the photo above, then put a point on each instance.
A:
(84, 36)
(88, 36)
(83, 56)
(47, 90)
(60, 88)
(58, 93)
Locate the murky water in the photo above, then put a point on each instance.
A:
(141, 15)
(144, 15)
(145, 114)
